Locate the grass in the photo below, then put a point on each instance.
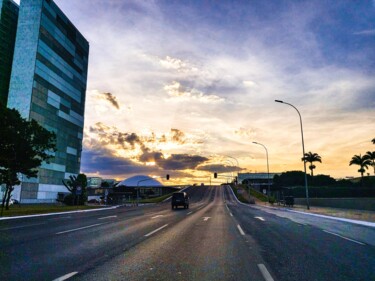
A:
(22, 210)
(238, 195)
(156, 199)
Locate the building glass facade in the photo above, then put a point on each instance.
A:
(48, 84)
(8, 28)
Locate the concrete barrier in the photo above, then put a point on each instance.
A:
(367, 204)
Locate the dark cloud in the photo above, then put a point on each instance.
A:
(112, 99)
(219, 168)
(181, 162)
(106, 163)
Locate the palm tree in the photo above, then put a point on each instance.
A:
(362, 162)
(311, 158)
(371, 156)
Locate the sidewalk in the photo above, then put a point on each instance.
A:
(361, 215)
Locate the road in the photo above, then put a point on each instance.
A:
(217, 238)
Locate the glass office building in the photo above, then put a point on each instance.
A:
(48, 84)
(8, 28)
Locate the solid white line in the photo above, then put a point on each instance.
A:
(231, 214)
(240, 229)
(259, 218)
(189, 213)
(60, 218)
(109, 217)
(266, 275)
(66, 276)
(156, 230)
(60, 213)
(76, 229)
(22, 226)
(343, 237)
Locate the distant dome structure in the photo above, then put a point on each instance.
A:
(141, 179)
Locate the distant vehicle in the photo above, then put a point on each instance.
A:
(93, 201)
(180, 199)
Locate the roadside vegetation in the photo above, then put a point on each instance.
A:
(156, 199)
(24, 145)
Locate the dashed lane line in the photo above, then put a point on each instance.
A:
(240, 229)
(156, 230)
(343, 237)
(266, 275)
(109, 217)
(66, 276)
(157, 216)
(80, 228)
(260, 218)
(189, 213)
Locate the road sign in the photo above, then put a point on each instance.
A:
(79, 190)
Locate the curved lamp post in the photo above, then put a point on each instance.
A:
(268, 170)
(303, 151)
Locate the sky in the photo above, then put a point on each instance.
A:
(184, 87)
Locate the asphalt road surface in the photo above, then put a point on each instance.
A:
(217, 238)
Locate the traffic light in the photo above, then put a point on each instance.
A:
(215, 175)
(167, 177)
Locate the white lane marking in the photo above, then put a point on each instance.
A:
(156, 230)
(240, 229)
(189, 213)
(109, 217)
(22, 226)
(260, 218)
(206, 218)
(157, 216)
(266, 275)
(231, 214)
(343, 237)
(60, 218)
(227, 207)
(66, 276)
(60, 213)
(80, 228)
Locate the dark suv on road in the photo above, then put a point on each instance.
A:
(180, 199)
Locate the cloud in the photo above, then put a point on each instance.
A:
(178, 136)
(177, 92)
(111, 98)
(181, 162)
(105, 163)
(219, 168)
(369, 32)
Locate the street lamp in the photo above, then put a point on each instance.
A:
(268, 170)
(303, 151)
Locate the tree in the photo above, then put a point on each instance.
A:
(373, 140)
(371, 156)
(72, 185)
(311, 158)
(362, 162)
(24, 145)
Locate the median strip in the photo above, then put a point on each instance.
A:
(76, 229)
(266, 275)
(343, 237)
(156, 230)
(240, 229)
